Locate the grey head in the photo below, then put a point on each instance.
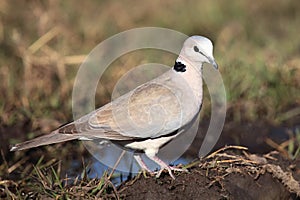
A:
(198, 49)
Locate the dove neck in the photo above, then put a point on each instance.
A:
(192, 73)
(190, 65)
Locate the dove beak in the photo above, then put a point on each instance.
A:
(213, 62)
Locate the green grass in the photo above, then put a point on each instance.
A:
(294, 146)
(44, 181)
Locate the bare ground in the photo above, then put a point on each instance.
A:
(224, 175)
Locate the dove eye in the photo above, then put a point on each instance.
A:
(196, 49)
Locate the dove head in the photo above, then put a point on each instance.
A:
(198, 49)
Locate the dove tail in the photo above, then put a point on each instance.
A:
(51, 138)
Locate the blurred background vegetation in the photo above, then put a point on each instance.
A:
(256, 44)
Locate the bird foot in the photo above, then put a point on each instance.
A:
(170, 169)
(163, 166)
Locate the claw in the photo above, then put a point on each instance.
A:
(170, 169)
(162, 164)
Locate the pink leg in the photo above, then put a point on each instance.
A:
(164, 166)
(141, 163)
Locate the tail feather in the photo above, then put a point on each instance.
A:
(51, 138)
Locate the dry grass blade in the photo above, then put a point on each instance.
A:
(17, 164)
(107, 179)
(278, 147)
(43, 40)
(76, 59)
(226, 148)
(289, 114)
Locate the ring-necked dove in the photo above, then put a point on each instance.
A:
(149, 116)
